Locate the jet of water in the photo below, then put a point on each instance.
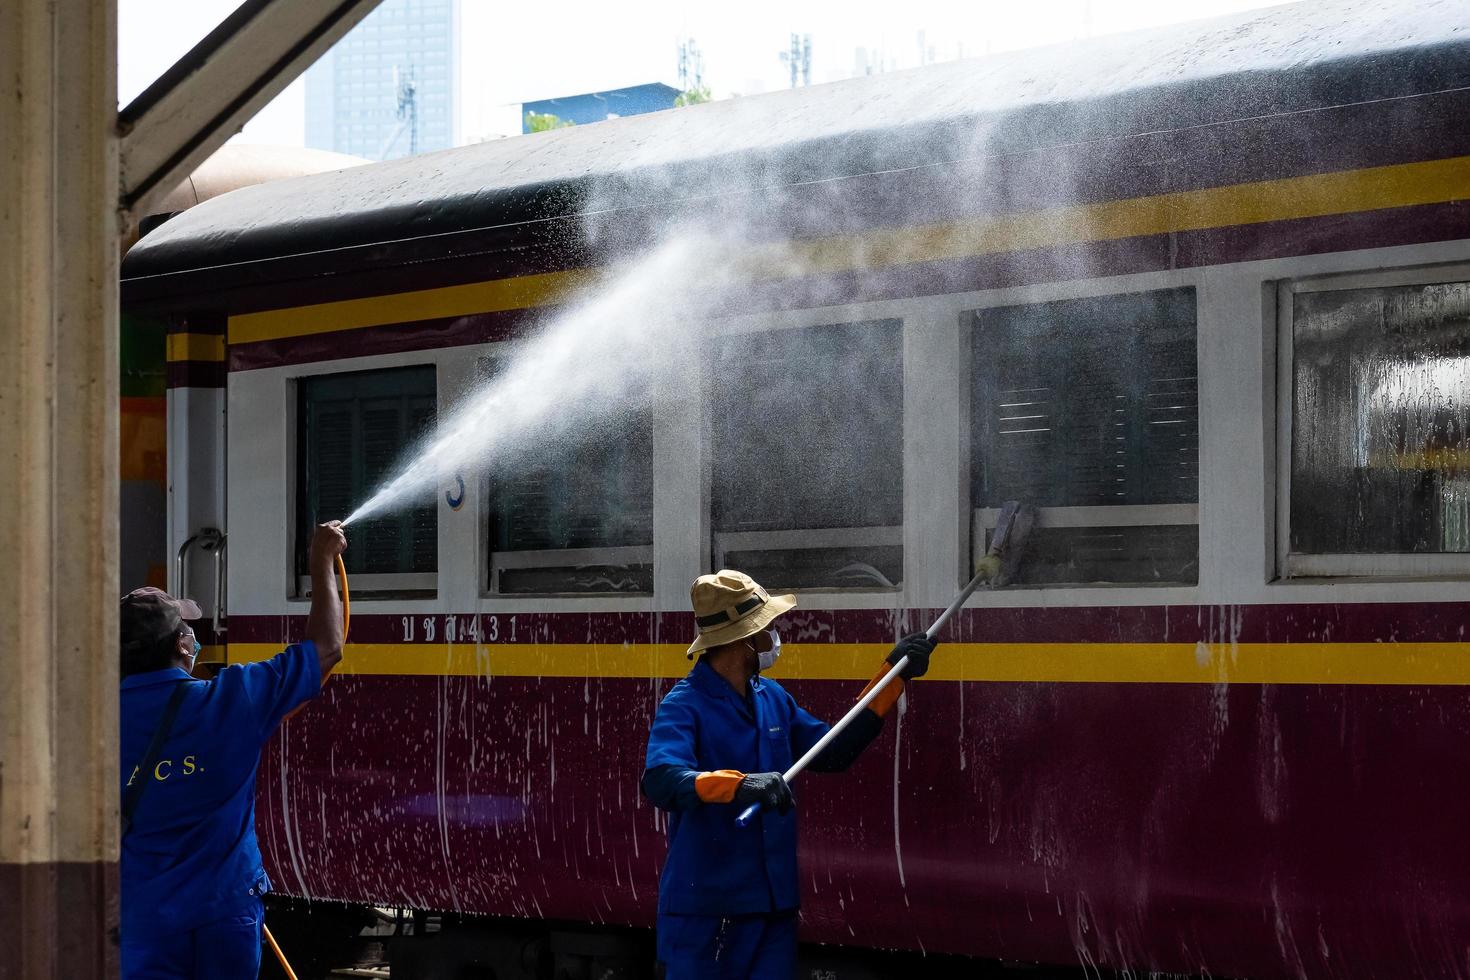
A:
(602, 355)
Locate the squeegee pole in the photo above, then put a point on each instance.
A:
(959, 601)
(749, 812)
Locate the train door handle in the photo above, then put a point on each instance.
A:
(210, 539)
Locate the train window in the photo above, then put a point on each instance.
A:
(576, 517)
(1379, 389)
(806, 430)
(1088, 409)
(352, 429)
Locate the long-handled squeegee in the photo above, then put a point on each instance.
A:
(1011, 527)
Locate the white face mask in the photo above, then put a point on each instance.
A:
(767, 658)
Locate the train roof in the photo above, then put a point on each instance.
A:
(1269, 62)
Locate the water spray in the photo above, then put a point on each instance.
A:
(1011, 528)
(607, 350)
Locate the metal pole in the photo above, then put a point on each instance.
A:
(1011, 526)
(749, 812)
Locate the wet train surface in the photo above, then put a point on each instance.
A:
(1200, 295)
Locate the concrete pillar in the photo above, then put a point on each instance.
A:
(58, 487)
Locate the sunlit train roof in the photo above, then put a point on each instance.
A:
(1278, 60)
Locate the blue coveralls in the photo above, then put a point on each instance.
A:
(728, 895)
(190, 875)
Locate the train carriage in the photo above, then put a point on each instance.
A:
(1200, 295)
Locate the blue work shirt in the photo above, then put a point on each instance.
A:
(715, 867)
(191, 855)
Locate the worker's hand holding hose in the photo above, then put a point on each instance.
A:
(765, 789)
(327, 542)
(917, 647)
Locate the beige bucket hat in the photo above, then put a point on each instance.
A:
(730, 606)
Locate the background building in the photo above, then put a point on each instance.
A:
(597, 106)
(390, 88)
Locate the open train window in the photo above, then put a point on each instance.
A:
(352, 429)
(806, 429)
(576, 516)
(1088, 409)
(1375, 442)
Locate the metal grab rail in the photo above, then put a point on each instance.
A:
(218, 547)
(181, 565)
(210, 539)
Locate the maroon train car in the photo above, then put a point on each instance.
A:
(1200, 295)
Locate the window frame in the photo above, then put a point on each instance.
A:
(1238, 337)
(374, 586)
(722, 543)
(983, 519)
(938, 514)
(500, 561)
(798, 539)
(1291, 566)
(480, 364)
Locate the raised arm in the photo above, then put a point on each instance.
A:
(324, 622)
(844, 750)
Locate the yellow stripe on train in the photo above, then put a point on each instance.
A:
(195, 347)
(519, 293)
(1126, 663)
(1310, 196)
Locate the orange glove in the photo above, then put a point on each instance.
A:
(718, 786)
(886, 698)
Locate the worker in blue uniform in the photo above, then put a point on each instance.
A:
(190, 875)
(728, 896)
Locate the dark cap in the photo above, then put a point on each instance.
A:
(151, 615)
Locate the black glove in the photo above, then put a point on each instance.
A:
(768, 789)
(917, 647)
